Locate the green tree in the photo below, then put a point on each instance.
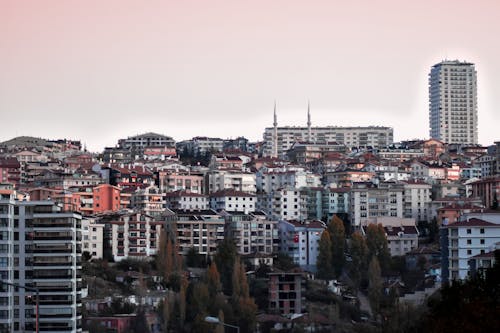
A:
(376, 241)
(359, 256)
(284, 262)
(324, 260)
(374, 285)
(337, 235)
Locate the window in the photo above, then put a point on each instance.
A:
(468, 231)
(481, 230)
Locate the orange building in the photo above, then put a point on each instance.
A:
(106, 198)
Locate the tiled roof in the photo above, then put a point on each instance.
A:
(474, 222)
(230, 193)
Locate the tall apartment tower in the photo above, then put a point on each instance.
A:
(39, 248)
(453, 102)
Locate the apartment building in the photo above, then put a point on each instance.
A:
(132, 234)
(286, 292)
(233, 201)
(453, 102)
(201, 230)
(416, 198)
(463, 240)
(218, 180)
(300, 240)
(92, 238)
(186, 200)
(369, 201)
(148, 200)
(335, 201)
(269, 180)
(40, 248)
(286, 203)
(252, 232)
(172, 180)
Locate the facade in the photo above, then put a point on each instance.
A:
(201, 230)
(286, 290)
(300, 240)
(93, 238)
(218, 180)
(285, 203)
(453, 102)
(171, 180)
(284, 137)
(41, 248)
(335, 201)
(148, 200)
(402, 234)
(464, 240)
(233, 201)
(133, 234)
(417, 196)
(186, 200)
(253, 233)
(10, 170)
(370, 201)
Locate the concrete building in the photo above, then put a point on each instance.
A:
(300, 240)
(335, 201)
(253, 233)
(201, 230)
(463, 240)
(93, 238)
(286, 203)
(148, 200)
(401, 233)
(186, 200)
(218, 180)
(233, 201)
(41, 248)
(133, 234)
(175, 180)
(417, 196)
(369, 201)
(453, 102)
(286, 292)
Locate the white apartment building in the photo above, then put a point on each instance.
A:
(285, 203)
(453, 102)
(40, 248)
(374, 136)
(464, 240)
(271, 180)
(233, 201)
(93, 238)
(253, 233)
(134, 234)
(218, 180)
(146, 140)
(335, 201)
(300, 240)
(416, 196)
(369, 201)
(186, 200)
(149, 200)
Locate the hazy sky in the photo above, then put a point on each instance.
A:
(101, 70)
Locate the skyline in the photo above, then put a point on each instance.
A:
(122, 68)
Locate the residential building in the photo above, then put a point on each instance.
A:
(10, 170)
(453, 102)
(285, 203)
(402, 234)
(186, 200)
(201, 230)
(369, 201)
(463, 240)
(253, 233)
(41, 248)
(284, 137)
(335, 201)
(233, 201)
(93, 238)
(286, 292)
(148, 200)
(175, 180)
(488, 190)
(417, 196)
(218, 180)
(300, 240)
(132, 235)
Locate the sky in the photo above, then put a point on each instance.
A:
(98, 71)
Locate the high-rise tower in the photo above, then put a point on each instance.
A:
(453, 102)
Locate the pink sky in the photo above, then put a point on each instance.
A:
(101, 70)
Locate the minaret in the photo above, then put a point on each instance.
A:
(309, 134)
(275, 133)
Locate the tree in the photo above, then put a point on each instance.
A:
(213, 280)
(284, 262)
(359, 256)
(244, 305)
(165, 256)
(139, 324)
(224, 259)
(376, 241)
(374, 285)
(324, 260)
(337, 235)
